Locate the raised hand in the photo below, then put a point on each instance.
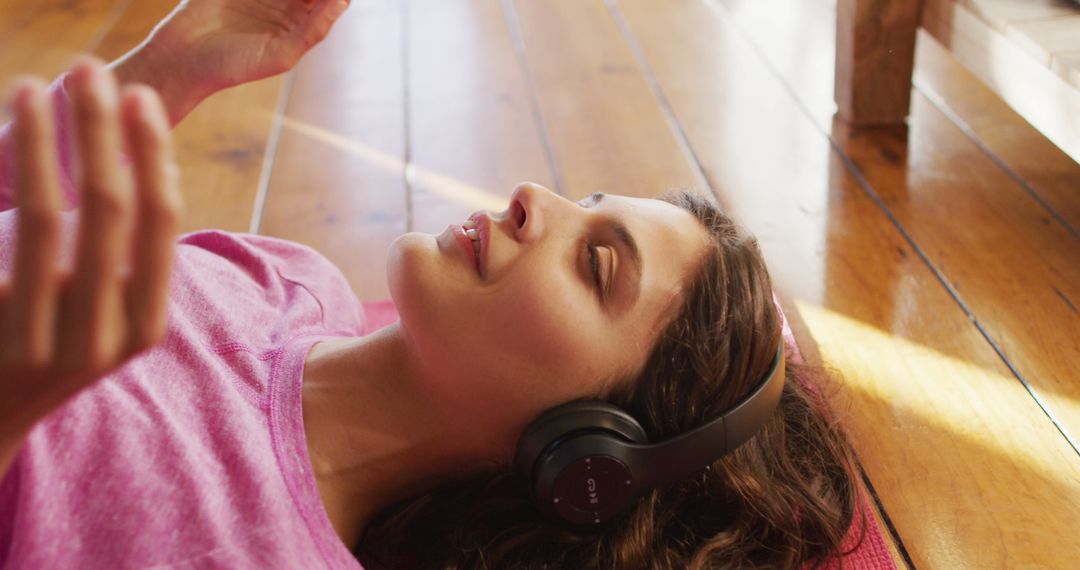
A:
(228, 42)
(61, 329)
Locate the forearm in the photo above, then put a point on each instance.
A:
(150, 63)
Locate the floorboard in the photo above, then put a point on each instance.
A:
(1047, 173)
(30, 42)
(337, 182)
(473, 134)
(606, 130)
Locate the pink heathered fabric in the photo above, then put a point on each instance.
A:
(192, 455)
(871, 553)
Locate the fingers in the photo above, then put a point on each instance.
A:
(62, 328)
(30, 317)
(322, 18)
(158, 216)
(95, 324)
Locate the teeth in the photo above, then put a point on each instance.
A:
(474, 234)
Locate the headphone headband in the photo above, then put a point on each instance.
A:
(681, 456)
(586, 461)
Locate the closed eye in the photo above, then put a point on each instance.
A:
(594, 262)
(594, 257)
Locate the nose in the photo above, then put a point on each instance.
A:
(530, 207)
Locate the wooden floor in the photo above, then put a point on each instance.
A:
(936, 269)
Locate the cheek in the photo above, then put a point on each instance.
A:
(551, 327)
(539, 329)
(525, 343)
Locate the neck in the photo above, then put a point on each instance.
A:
(375, 436)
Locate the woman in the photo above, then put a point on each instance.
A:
(219, 400)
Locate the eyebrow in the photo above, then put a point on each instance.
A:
(627, 239)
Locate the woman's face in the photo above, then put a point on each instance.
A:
(529, 327)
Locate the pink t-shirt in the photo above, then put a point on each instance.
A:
(193, 454)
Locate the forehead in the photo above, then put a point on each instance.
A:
(658, 227)
(653, 215)
(672, 243)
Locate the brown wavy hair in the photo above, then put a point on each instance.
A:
(783, 499)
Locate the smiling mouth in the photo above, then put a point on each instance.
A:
(471, 251)
(478, 230)
(473, 233)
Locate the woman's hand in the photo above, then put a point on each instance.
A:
(224, 43)
(205, 46)
(60, 329)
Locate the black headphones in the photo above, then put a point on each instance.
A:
(585, 462)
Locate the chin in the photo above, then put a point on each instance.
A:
(405, 259)
(421, 284)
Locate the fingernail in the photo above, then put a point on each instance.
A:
(151, 108)
(23, 92)
(85, 75)
(88, 71)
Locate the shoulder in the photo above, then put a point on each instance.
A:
(240, 270)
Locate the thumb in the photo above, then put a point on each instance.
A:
(321, 19)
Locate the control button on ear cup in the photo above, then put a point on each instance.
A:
(562, 421)
(591, 490)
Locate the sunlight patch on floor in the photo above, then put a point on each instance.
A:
(923, 389)
(453, 190)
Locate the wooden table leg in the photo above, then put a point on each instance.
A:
(875, 51)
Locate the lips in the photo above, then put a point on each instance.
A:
(483, 228)
(466, 244)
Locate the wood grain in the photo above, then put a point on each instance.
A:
(875, 47)
(220, 148)
(1006, 248)
(1049, 174)
(337, 183)
(472, 130)
(945, 432)
(35, 44)
(42, 39)
(132, 27)
(14, 14)
(607, 130)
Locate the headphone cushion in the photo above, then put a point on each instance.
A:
(555, 425)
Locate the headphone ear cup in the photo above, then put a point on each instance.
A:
(555, 425)
(580, 445)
